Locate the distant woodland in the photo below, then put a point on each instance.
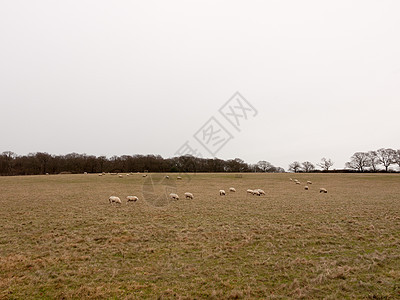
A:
(381, 160)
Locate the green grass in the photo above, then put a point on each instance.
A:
(60, 238)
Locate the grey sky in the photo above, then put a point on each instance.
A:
(127, 77)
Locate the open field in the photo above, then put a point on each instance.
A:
(60, 238)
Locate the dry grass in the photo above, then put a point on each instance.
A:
(60, 238)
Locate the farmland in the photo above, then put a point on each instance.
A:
(60, 238)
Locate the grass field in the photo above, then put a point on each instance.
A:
(61, 239)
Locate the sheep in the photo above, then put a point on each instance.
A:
(100, 174)
(309, 182)
(85, 173)
(114, 199)
(179, 178)
(222, 193)
(144, 175)
(131, 199)
(167, 177)
(256, 192)
(249, 191)
(189, 195)
(174, 196)
(306, 187)
(297, 182)
(323, 190)
(120, 176)
(291, 179)
(260, 191)
(232, 189)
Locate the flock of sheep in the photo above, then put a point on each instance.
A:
(321, 190)
(174, 196)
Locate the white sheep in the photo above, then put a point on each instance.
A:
(174, 196)
(291, 179)
(297, 182)
(131, 199)
(179, 178)
(167, 177)
(256, 192)
(120, 176)
(114, 199)
(260, 191)
(309, 182)
(250, 191)
(100, 174)
(306, 187)
(222, 193)
(189, 195)
(323, 190)
(85, 173)
(232, 189)
(144, 175)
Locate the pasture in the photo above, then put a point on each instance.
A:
(60, 238)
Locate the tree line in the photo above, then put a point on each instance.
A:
(371, 161)
(43, 163)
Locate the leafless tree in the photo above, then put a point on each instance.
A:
(295, 167)
(325, 164)
(397, 157)
(372, 160)
(307, 166)
(359, 161)
(264, 166)
(386, 157)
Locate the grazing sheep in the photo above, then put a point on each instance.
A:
(132, 199)
(85, 173)
(189, 196)
(260, 191)
(323, 190)
(174, 196)
(179, 178)
(104, 173)
(309, 182)
(120, 176)
(257, 193)
(250, 191)
(114, 199)
(291, 179)
(144, 175)
(297, 182)
(232, 189)
(167, 177)
(306, 187)
(100, 174)
(222, 193)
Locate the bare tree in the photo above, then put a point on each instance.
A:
(359, 161)
(372, 160)
(295, 167)
(386, 157)
(264, 166)
(307, 166)
(325, 164)
(398, 157)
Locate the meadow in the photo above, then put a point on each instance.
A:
(60, 238)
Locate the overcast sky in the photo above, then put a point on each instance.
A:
(142, 77)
